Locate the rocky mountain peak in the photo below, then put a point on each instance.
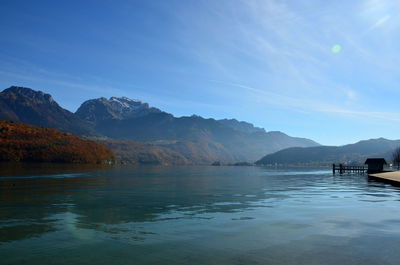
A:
(127, 105)
(15, 91)
(241, 126)
(124, 100)
(113, 108)
(40, 109)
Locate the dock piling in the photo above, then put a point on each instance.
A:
(348, 169)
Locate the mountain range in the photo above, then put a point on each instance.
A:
(40, 109)
(136, 129)
(352, 153)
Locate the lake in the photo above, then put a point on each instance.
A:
(196, 215)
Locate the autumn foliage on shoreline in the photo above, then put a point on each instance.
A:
(21, 142)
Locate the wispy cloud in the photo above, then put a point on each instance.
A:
(52, 79)
(380, 22)
(285, 57)
(273, 55)
(304, 105)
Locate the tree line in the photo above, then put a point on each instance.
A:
(20, 142)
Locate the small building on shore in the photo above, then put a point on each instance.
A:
(375, 164)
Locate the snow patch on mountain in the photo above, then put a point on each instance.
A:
(114, 108)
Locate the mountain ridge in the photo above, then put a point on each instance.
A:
(113, 108)
(198, 139)
(241, 125)
(40, 109)
(350, 153)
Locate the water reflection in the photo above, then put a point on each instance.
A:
(10, 169)
(250, 206)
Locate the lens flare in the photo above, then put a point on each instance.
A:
(336, 48)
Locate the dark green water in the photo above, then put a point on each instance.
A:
(196, 215)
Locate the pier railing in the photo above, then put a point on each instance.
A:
(341, 169)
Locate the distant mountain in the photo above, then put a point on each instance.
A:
(145, 154)
(96, 110)
(211, 138)
(21, 142)
(37, 108)
(196, 139)
(166, 153)
(351, 153)
(241, 126)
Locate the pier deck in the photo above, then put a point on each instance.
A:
(348, 169)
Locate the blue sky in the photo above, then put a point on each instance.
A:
(326, 70)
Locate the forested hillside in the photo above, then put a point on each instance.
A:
(20, 142)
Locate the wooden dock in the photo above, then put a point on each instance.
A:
(392, 177)
(341, 169)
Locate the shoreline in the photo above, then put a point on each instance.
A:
(392, 177)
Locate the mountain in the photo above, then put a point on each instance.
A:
(352, 153)
(96, 110)
(23, 142)
(145, 154)
(226, 140)
(241, 126)
(191, 139)
(37, 108)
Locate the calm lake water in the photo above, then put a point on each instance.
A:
(196, 215)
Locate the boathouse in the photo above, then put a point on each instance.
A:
(375, 164)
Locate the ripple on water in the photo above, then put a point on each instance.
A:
(205, 215)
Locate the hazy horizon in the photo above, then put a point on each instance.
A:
(324, 71)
